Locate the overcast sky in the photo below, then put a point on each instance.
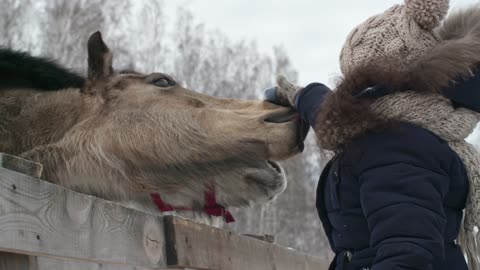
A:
(312, 31)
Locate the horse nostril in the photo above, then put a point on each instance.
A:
(275, 166)
(196, 103)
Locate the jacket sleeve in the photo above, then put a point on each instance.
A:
(309, 100)
(401, 192)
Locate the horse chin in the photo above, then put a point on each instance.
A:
(252, 185)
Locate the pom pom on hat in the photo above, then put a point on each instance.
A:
(427, 13)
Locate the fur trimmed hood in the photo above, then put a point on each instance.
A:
(344, 116)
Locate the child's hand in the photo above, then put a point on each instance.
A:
(284, 93)
(286, 90)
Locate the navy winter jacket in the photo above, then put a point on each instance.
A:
(391, 200)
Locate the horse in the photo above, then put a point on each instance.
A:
(124, 135)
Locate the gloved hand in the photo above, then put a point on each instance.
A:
(306, 100)
(284, 94)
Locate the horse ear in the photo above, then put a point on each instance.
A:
(99, 58)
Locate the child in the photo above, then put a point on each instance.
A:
(393, 196)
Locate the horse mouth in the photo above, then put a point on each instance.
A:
(282, 117)
(302, 132)
(291, 116)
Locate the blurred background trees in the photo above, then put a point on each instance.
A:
(145, 37)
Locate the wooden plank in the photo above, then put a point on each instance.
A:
(41, 219)
(267, 237)
(12, 261)
(21, 165)
(198, 246)
(44, 263)
(48, 222)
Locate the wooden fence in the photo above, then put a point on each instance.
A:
(47, 227)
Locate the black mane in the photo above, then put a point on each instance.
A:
(21, 70)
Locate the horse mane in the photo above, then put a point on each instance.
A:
(21, 70)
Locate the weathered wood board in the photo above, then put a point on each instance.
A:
(47, 227)
(199, 246)
(43, 263)
(41, 219)
(20, 165)
(11, 261)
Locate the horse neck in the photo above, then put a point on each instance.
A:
(44, 117)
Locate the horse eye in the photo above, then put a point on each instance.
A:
(161, 82)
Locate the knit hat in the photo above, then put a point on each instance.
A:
(396, 37)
